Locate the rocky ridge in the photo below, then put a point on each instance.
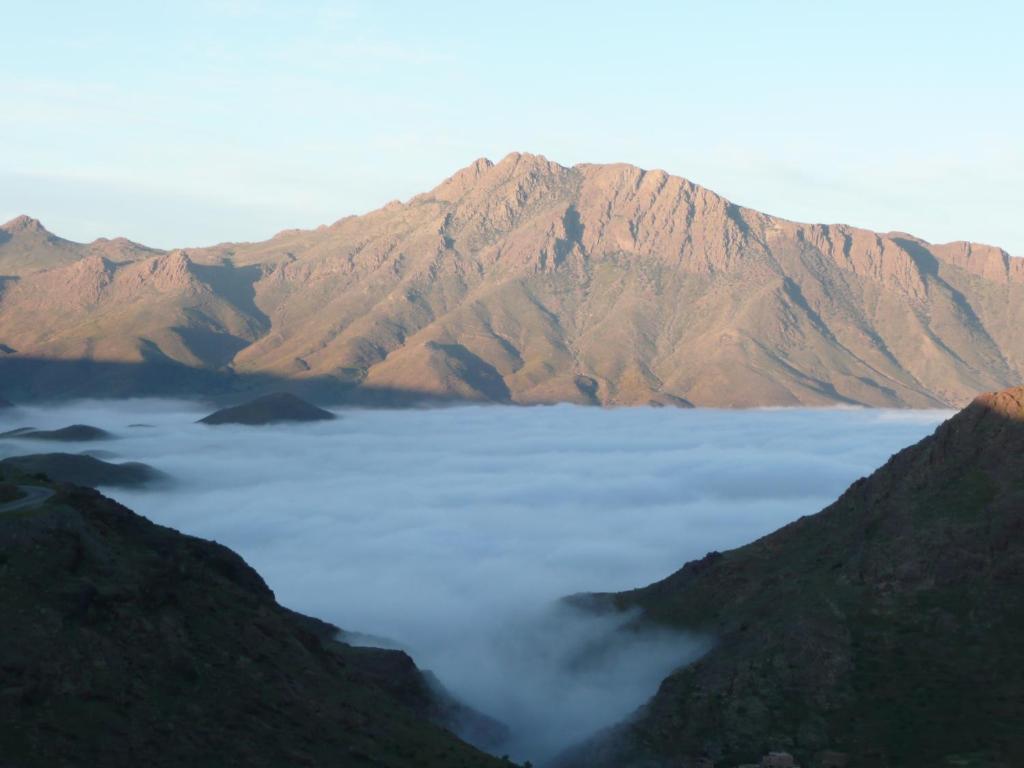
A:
(82, 469)
(525, 281)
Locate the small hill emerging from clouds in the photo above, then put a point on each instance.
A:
(86, 470)
(269, 409)
(5, 403)
(887, 627)
(76, 433)
(126, 644)
(523, 281)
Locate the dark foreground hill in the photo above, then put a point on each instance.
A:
(85, 470)
(269, 409)
(887, 627)
(76, 433)
(128, 644)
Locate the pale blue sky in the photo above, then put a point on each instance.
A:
(196, 122)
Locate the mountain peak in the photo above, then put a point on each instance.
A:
(1007, 403)
(524, 158)
(479, 166)
(23, 224)
(171, 270)
(520, 164)
(514, 165)
(459, 182)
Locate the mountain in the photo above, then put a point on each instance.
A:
(886, 628)
(269, 409)
(76, 433)
(527, 282)
(26, 247)
(127, 644)
(84, 470)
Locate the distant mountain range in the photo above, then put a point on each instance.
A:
(883, 631)
(527, 282)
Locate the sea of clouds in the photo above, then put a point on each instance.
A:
(453, 532)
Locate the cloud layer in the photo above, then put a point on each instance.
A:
(453, 531)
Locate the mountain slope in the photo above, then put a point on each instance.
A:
(887, 627)
(26, 247)
(526, 281)
(127, 644)
(161, 307)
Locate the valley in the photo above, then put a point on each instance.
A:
(454, 533)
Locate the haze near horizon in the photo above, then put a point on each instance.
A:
(230, 120)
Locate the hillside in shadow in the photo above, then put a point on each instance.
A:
(25, 380)
(126, 643)
(883, 631)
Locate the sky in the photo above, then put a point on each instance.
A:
(190, 123)
(453, 532)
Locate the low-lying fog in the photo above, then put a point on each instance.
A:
(453, 531)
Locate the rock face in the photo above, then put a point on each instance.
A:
(885, 628)
(76, 433)
(269, 409)
(128, 644)
(85, 470)
(526, 281)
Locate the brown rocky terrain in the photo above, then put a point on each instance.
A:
(883, 631)
(524, 281)
(26, 247)
(125, 644)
